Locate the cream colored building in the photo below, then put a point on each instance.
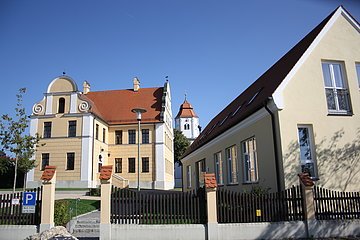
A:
(84, 130)
(302, 114)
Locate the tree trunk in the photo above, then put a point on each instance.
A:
(14, 186)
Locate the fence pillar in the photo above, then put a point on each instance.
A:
(48, 198)
(105, 205)
(211, 208)
(307, 186)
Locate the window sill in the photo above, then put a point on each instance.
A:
(232, 184)
(347, 114)
(249, 183)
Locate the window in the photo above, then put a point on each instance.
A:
(145, 164)
(61, 107)
(145, 135)
(97, 132)
(104, 135)
(230, 155)
(219, 168)
(337, 94)
(188, 176)
(131, 165)
(118, 165)
(72, 129)
(249, 157)
(186, 126)
(358, 73)
(70, 164)
(47, 129)
(100, 163)
(307, 156)
(118, 137)
(200, 168)
(44, 160)
(132, 136)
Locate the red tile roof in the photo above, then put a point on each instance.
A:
(257, 94)
(115, 106)
(210, 180)
(48, 173)
(105, 172)
(186, 110)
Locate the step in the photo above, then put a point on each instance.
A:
(86, 225)
(86, 230)
(89, 220)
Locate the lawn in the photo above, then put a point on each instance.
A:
(66, 209)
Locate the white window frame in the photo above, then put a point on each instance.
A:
(336, 89)
(250, 163)
(357, 68)
(219, 168)
(312, 160)
(188, 176)
(231, 161)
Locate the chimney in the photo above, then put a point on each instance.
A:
(86, 87)
(136, 84)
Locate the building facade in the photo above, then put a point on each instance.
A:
(301, 115)
(81, 131)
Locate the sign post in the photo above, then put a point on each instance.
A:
(29, 202)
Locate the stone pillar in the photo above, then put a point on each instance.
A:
(105, 180)
(48, 198)
(307, 187)
(211, 208)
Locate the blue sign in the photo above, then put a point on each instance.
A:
(29, 199)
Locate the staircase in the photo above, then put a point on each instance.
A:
(86, 226)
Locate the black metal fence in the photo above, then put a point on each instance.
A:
(11, 214)
(157, 207)
(233, 207)
(336, 205)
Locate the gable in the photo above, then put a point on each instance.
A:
(62, 84)
(268, 86)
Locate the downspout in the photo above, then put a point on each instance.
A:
(276, 153)
(92, 152)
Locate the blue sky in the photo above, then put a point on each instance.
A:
(211, 50)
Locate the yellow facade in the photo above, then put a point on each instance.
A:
(330, 148)
(94, 142)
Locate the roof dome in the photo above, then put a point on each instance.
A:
(186, 110)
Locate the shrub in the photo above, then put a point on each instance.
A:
(61, 215)
(94, 192)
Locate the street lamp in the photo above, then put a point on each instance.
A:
(138, 112)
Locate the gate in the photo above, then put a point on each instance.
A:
(16, 217)
(157, 207)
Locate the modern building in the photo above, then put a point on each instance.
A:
(84, 130)
(187, 122)
(301, 115)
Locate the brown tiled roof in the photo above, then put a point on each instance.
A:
(105, 172)
(48, 173)
(115, 106)
(186, 110)
(257, 94)
(210, 180)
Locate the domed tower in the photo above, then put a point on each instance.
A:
(187, 121)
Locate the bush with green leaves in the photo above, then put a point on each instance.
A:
(61, 212)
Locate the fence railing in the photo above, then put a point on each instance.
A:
(157, 207)
(233, 207)
(12, 214)
(336, 205)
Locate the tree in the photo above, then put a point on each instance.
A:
(181, 143)
(14, 141)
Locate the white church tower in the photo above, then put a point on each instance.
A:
(187, 121)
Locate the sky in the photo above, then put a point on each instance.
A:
(210, 50)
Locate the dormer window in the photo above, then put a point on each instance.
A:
(61, 107)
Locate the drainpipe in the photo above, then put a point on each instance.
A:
(276, 153)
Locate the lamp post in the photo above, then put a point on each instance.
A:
(138, 112)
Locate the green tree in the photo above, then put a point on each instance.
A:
(15, 141)
(181, 143)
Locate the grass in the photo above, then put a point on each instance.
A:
(66, 209)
